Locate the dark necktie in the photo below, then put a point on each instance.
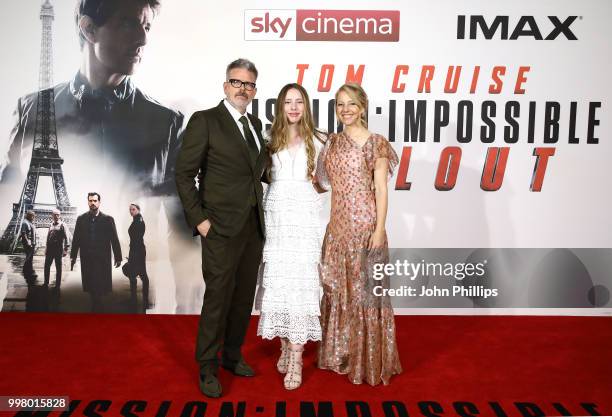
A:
(253, 150)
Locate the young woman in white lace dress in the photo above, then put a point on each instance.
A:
(289, 290)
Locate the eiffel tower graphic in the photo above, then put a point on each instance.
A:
(45, 154)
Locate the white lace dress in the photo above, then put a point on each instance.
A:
(289, 288)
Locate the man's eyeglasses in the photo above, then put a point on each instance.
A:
(237, 84)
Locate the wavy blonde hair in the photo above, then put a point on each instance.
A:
(359, 96)
(279, 133)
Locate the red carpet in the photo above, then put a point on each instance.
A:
(453, 366)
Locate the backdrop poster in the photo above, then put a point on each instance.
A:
(499, 112)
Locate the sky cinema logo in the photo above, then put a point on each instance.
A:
(322, 25)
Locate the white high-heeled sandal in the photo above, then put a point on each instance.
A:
(293, 379)
(283, 361)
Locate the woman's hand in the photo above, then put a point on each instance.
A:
(377, 239)
(204, 227)
(317, 185)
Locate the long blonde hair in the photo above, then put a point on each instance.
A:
(279, 133)
(359, 96)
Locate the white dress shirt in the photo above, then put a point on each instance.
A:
(236, 115)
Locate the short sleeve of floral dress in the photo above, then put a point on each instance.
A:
(379, 147)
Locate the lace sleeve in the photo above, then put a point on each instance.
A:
(321, 175)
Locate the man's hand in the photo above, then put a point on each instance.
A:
(117, 264)
(204, 227)
(65, 253)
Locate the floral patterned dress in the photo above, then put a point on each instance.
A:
(358, 328)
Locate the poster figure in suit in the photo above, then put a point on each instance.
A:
(100, 113)
(95, 236)
(58, 243)
(28, 240)
(224, 144)
(136, 265)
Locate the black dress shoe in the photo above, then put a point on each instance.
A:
(210, 385)
(240, 368)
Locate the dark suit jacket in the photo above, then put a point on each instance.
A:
(213, 145)
(132, 132)
(138, 251)
(28, 234)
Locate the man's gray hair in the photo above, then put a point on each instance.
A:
(241, 63)
(56, 211)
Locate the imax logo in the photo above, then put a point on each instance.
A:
(525, 27)
(322, 25)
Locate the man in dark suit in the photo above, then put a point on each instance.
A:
(95, 235)
(224, 145)
(58, 242)
(28, 240)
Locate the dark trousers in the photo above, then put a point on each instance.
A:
(145, 289)
(229, 266)
(29, 257)
(49, 259)
(97, 306)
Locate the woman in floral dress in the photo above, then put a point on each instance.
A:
(358, 328)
